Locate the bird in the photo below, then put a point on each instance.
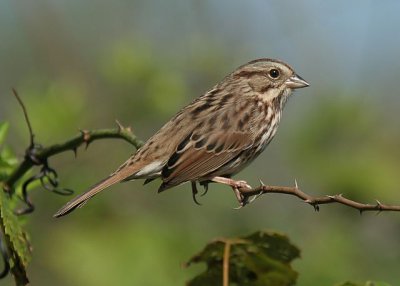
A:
(215, 136)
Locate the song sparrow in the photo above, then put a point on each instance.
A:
(215, 136)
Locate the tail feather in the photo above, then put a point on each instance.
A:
(83, 198)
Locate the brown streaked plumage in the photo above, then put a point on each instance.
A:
(215, 136)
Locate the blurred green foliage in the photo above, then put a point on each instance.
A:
(156, 87)
(338, 146)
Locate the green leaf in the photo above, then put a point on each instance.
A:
(262, 258)
(12, 227)
(368, 283)
(7, 158)
(3, 131)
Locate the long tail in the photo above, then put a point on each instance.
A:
(94, 190)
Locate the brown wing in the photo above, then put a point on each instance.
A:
(199, 155)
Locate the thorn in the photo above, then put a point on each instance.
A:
(120, 127)
(255, 197)
(331, 197)
(75, 150)
(313, 203)
(361, 211)
(85, 137)
(261, 183)
(85, 134)
(295, 184)
(379, 206)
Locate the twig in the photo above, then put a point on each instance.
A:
(85, 137)
(316, 201)
(31, 135)
(225, 264)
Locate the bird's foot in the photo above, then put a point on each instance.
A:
(236, 186)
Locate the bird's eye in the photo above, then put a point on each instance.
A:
(274, 73)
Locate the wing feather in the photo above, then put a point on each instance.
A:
(203, 156)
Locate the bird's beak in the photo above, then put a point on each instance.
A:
(295, 81)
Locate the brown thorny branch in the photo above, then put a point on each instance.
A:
(37, 155)
(316, 201)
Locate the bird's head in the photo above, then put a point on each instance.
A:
(269, 79)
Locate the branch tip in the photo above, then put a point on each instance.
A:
(21, 103)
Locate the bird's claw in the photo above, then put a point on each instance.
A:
(194, 193)
(238, 207)
(205, 186)
(242, 199)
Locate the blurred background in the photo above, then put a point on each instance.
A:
(83, 64)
